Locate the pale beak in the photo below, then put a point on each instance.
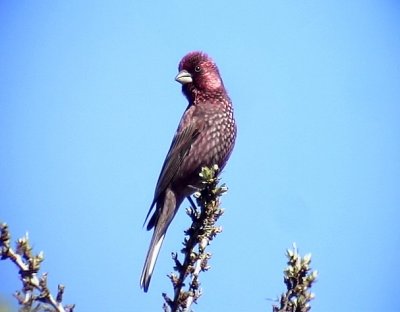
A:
(184, 77)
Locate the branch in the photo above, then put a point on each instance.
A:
(200, 234)
(34, 289)
(298, 278)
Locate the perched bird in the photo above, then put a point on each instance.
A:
(205, 136)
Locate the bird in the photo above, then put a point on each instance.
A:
(205, 136)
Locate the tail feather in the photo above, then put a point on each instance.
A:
(165, 211)
(151, 259)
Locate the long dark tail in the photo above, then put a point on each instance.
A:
(151, 258)
(163, 217)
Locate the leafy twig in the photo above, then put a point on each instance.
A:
(299, 278)
(35, 295)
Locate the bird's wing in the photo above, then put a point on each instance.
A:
(180, 147)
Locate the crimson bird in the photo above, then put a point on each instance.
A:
(205, 136)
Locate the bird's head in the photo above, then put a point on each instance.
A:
(198, 73)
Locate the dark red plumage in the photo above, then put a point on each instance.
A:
(205, 136)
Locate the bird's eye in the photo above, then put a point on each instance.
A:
(197, 69)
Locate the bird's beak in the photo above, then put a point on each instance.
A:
(184, 77)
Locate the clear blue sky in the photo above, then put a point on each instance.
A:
(88, 108)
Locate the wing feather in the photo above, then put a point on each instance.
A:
(178, 150)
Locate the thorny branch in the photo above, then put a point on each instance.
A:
(35, 295)
(200, 233)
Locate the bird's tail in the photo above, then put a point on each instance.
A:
(163, 216)
(151, 258)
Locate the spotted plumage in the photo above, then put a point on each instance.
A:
(205, 136)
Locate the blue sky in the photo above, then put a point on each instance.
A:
(88, 108)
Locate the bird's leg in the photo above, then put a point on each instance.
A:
(192, 203)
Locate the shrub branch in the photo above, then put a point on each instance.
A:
(298, 278)
(35, 295)
(201, 232)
